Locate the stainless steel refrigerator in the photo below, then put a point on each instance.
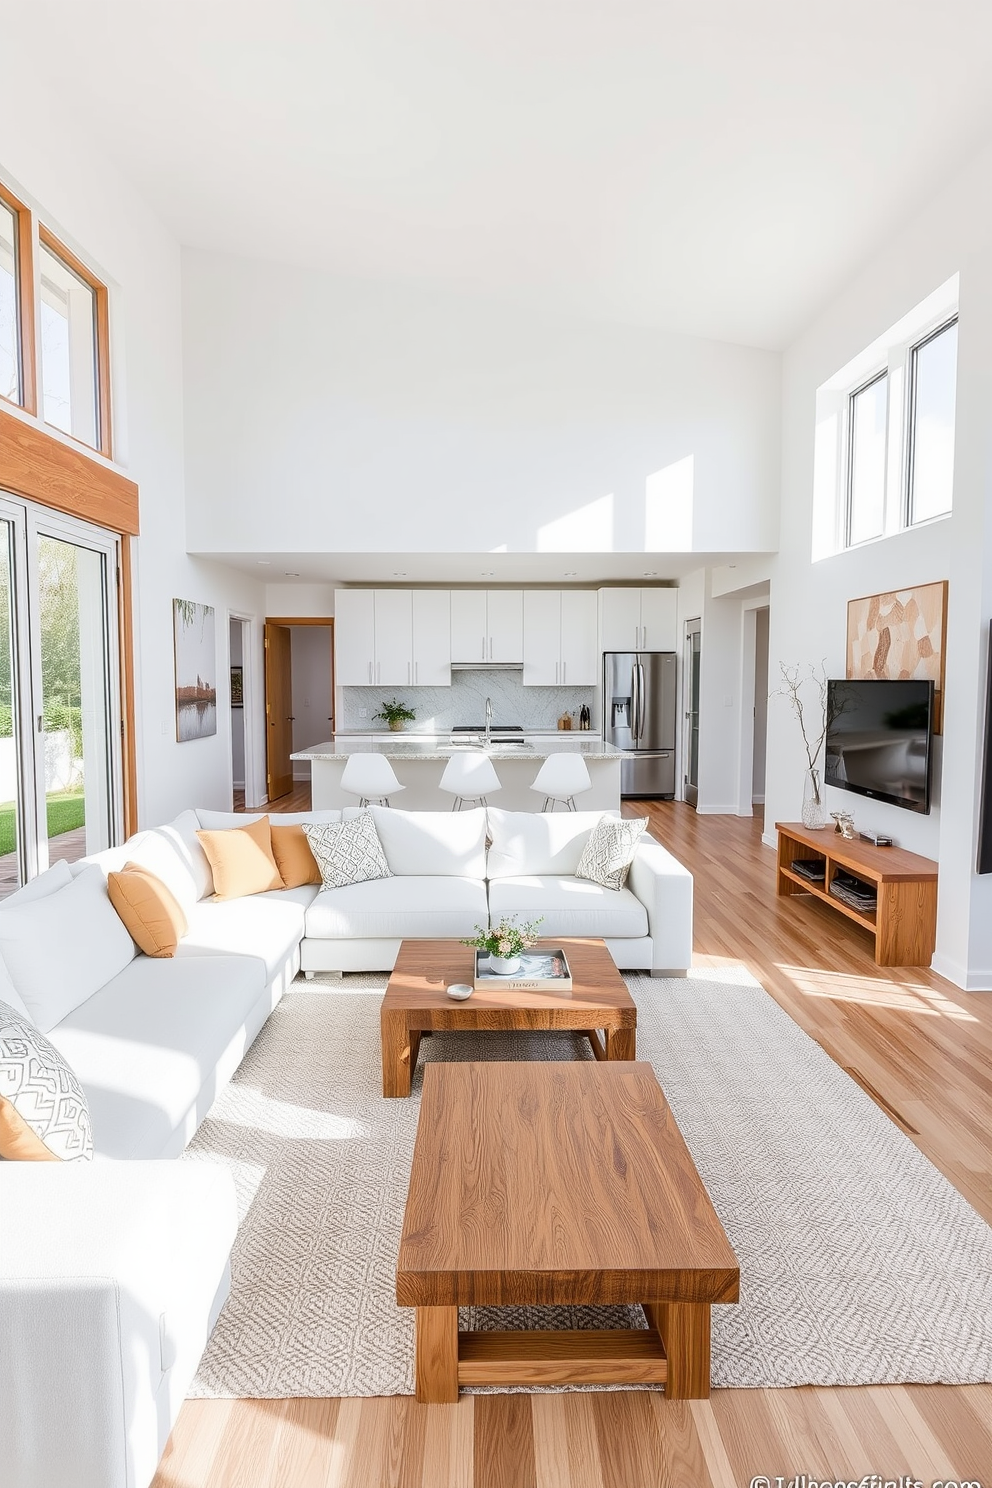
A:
(639, 716)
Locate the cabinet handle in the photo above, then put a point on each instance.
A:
(378, 670)
(490, 648)
(483, 648)
(408, 666)
(564, 671)
(416, 671)
(370, 674)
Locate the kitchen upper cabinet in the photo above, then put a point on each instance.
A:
(620, 619)
(638, 619)
(393, 637)
(560, 638)
(659, 619)
(469, 625)
(579, 651)
(354, 637)
(505, 628)
(542, 638)
(431, 638)
(487, 625)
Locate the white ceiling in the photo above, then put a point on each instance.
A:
(716, 168)
(475, 569)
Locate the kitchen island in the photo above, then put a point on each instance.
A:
(419, 761)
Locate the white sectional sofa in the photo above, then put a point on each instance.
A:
(112, 1273)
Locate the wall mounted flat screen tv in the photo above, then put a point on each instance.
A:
(879, 740)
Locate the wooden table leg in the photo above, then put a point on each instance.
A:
(399, 1052)
(437, 1355)
(621, 1043)
(685, 1332)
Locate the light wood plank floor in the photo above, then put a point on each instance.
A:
(922, 1049)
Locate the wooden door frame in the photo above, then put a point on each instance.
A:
(327, 621)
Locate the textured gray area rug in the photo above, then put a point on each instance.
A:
(860, 1264)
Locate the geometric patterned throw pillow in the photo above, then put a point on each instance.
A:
(43, 1112)
(347, 852)
(607, 856)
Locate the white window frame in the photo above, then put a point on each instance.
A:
(892, 354)
(910, 429)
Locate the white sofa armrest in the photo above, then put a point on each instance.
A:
(111, 1278)
(664, 887)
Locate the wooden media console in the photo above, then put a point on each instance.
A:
(904, 922)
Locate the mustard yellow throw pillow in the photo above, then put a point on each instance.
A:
(150, 912)
(295, 861)
(241, 860)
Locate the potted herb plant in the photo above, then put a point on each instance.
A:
(504, 942)
(396, 715)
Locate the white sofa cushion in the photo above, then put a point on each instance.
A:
(173, 853)
(416, 908)
(570, 906)
(144, 1045)
(220, 821)
(60, 949)
(528, 842)
(268, 926)
(59, 876)
(54, 878)
(435, 844)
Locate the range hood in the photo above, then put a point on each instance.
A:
(487, 666)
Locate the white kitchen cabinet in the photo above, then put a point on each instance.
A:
(469, 625)
(579, 650)
(487, 625)
(431, 660)
(638, 619)
(393, 637)
(354, 637)
(560, 638)
(659, 619)
(542, 638)
(619, 619)
(505, 625)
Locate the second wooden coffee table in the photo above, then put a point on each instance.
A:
(416, 1001)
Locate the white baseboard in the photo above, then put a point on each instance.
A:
(769, 839)
(757, 800)
(716, 810)
(953, 971)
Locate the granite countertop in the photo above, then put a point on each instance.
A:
(439, 747)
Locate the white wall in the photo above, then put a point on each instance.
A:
(307, 601)
(387, 418)
(953, 233)
(87, 203)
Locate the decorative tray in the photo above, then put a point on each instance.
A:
(540, 971)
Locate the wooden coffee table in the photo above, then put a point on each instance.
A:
(416, 1001)
(559, 1183)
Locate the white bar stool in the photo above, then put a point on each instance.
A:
(469, 777)
(562, 777)
(370, 777)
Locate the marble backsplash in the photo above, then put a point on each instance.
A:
(439, 708)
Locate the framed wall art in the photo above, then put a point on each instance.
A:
(196, 670)
(900, 634)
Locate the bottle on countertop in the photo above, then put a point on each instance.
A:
(585, 717)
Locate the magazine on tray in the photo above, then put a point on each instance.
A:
(540, 971)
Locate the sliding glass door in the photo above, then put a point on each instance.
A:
(60, 773)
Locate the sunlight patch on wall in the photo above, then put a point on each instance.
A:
(589, 529)
(668, 499)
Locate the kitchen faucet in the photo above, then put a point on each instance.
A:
(489, 720)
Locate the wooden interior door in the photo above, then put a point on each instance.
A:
(278, 711)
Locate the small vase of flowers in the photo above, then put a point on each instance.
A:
(503, 943)
(396, 715)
